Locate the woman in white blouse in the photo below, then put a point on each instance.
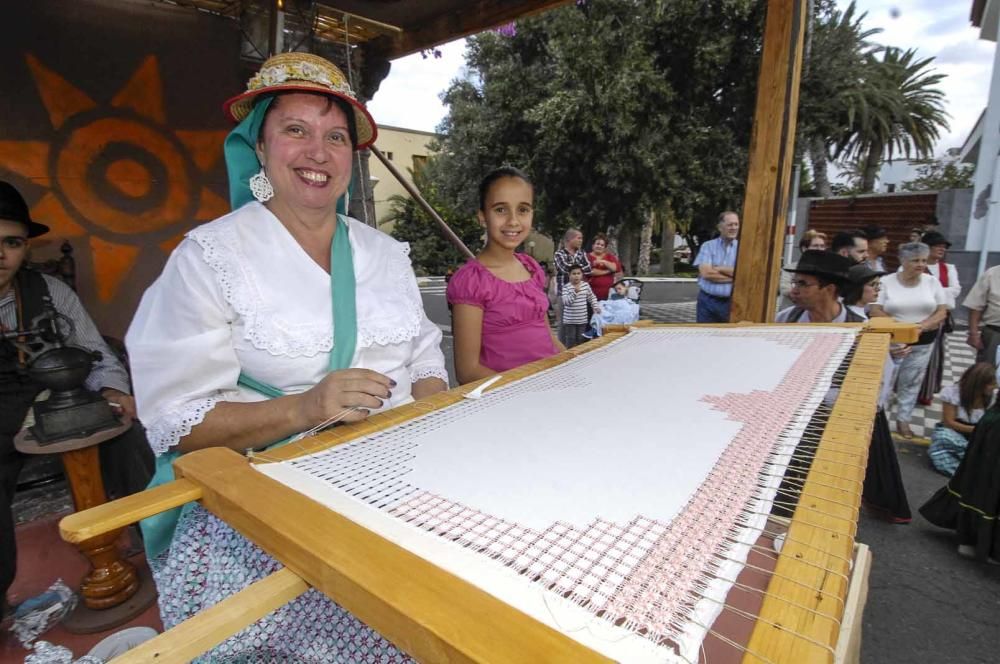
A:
(279, 317)
(912, 296)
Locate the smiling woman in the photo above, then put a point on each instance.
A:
(499, 305)
(296, 317)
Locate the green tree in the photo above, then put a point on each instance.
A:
(939, 174)
(615, 108)
(897, 110)
(430, 252)
(836, 49)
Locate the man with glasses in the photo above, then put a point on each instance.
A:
(817, 282)
(126, 461)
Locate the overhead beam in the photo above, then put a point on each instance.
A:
(472, 18)
(772, 154)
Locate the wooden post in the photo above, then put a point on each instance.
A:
(111, 579)
(772, 154)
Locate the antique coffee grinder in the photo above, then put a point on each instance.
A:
(70, 411)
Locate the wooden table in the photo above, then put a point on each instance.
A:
(114, 590)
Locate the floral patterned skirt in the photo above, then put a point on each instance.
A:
(209, 561)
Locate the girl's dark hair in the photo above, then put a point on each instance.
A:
(852, 290)
(599, 236)
(352, 128)
(973, 383)
(496, 174)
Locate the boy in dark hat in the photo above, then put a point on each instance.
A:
(816, 284)
(126, 461)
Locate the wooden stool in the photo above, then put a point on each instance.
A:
(113, 591)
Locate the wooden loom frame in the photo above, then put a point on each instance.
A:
(435, 616)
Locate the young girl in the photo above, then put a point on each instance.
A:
(962, 406)
(498, 299)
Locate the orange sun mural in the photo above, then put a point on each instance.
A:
(115, 172)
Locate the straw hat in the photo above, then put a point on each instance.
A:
(302, 72)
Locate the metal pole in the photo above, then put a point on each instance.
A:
(445, 229)
(274, 35)
(793, 210)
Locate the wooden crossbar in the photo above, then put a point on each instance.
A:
(820, 545)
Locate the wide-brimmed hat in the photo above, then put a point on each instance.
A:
(933, 239)
(13, 208)
(823, 264)
(862, 273)
(302, 72)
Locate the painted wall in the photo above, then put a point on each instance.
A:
(113, 132)
(404, 145)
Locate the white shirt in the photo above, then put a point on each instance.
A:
(952, 395)
(240, 294)
(911, 304)
(985, 296)
(954, 288)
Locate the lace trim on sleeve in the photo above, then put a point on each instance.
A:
(167, 430)
(428, 372)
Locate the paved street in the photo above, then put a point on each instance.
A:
(925, 604)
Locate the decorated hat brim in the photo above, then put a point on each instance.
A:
(817, 272)
(239, 107)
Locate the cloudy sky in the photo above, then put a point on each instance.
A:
(409, 96)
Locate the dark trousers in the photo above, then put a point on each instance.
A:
(712, 309)
(126, 467)
(991, 340)
(571, 334)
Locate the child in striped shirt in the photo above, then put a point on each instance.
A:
(576, 295)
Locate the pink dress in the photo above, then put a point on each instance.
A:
(515, 327)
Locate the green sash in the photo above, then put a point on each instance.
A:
(158, 530)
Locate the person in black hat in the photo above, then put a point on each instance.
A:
(127, 460)
(862, 288)
(878, 244)
(817, 282)
(947, 275)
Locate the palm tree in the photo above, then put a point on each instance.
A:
(896, 110)
(836, 51)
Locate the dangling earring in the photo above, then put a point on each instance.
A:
(261, 187)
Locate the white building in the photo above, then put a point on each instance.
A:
(983, 146)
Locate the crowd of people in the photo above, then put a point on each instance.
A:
(848, 282)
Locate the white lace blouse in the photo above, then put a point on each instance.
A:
(240, 294)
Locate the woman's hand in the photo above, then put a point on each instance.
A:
(339, 391)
